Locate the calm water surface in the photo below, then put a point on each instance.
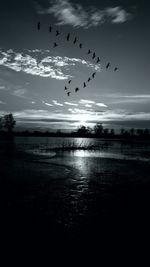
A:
(101, 148)
(76, 192)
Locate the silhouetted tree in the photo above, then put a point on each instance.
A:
(1, 124)
(8, 122)
(98, 128)
(122, 131)
(139, 132)
(82, 130)
(106, 132)
(126, 134)
(89, 130)
(58, 132)
(132, 131)
(112, 132)
(146, 132)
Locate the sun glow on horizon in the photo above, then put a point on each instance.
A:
(83, 119)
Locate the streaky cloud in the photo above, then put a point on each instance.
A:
(47, 104)
(85, 101)
(20, 93)
(81, 111)
(57, 103)
(68, 13)
(101, 105)
(118, 98)
(119, 95)
(88, 105)
(38, 116)
(3, 88)
(70, 104)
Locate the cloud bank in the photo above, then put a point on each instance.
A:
(49, 66)
(68, 13)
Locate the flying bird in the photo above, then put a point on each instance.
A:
(69, 81)
(89, 51)
(80, 45)
(38, 25)
(84, 85)
(68, 36)
(115, 69)
(89, 79)
(66, 88)
(55, 45)
(76, 89)
(98, 60)
(108, 65)
(94, 55)
(75, 40)
(50, 29)
(68, 93)
(57, 33)
(93, 75)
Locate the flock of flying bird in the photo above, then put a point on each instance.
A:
(80, 46)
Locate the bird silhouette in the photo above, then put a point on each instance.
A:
(57, 33)
(108, 65)
(68, 93)
(66, 88)
(84, 85)
(98, 60)
(89, 51)
(50, 29)
(115, 69)
(89, 79)
(38, 25)
(69, 81)
(68, 36)
(80, 45)
(76, 89)
(93, 75)
(55, 45)
(94, 55)
(75, 40)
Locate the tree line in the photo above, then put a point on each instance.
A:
(100, 131)
(7, 124)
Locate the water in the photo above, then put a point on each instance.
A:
(101, 148)
(76, 192)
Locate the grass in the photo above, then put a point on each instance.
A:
(71, 146)
(48, 147)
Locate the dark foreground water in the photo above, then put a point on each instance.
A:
(58, 195)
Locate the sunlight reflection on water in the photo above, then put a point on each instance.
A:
(49, 147)
(107, 155)
(97, 154)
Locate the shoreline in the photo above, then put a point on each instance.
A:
(117, 138)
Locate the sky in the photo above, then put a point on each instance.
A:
(34, 73)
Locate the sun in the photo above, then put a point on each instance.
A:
(83, 119)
